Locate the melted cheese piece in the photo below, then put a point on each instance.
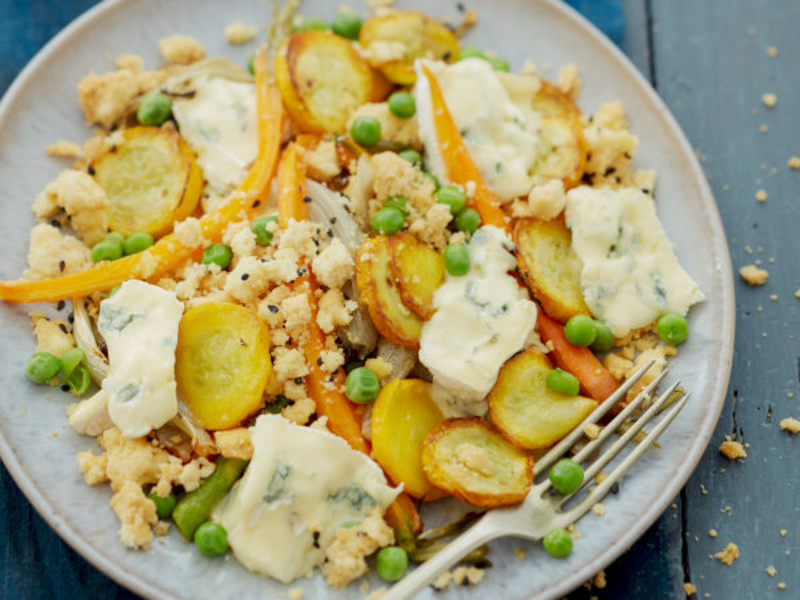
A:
(630, 275)
(301, 486)
(494, 116)
(220, 125)
(483, 318)
(140, 326)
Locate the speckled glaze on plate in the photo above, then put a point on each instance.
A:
(40, 108)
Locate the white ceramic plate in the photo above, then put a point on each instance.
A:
(40, 108)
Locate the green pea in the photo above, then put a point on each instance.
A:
(456, 259)
(558, 542)
(251, 63)
(116, 237)
(154, 109)
(605, 339)
(347, 24)
(106, 250)
(455, 198)
(399, 202)
(411, 155)
(366, 130)
(362, 385)
(79, 381)
(392, 563)
(402, 104)
(70, 360)
(468, 220)
(315, 23)
(137, 242)
(42, 367)
(277, 404)
(566, 475)
(673, 329)
(217, 253)
(259, 227)
(434, 180)
(563, 382)
(164, 504)
(211, 539)
(498, 63)
(471, 52)
(388, 220)
(580, 330)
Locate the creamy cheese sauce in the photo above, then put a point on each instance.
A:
(140, 327)
(502, 134)
(482, 319)
(220, 125)
(630, 275)
(301, 486)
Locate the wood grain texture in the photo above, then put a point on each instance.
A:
(712, 67)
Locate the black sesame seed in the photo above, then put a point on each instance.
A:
(272, 308)
(333, 220)
(330, 232)
(61, 304)
(460, 7)
(56, 223)
(302, 271)
(90, 170)
(245, 276)
(615, 488)
(71, 318)
(307, 199)
(610, 171)
(257, 203)
(447, 55)
(62, 265)
(319, 362)
(65, 388)
(63, 328)
(316, 242)
(298, 380)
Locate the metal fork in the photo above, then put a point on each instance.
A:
(542, 511)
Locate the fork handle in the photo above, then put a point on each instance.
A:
(427, 572)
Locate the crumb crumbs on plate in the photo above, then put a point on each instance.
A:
(793, 162)
(772, 51)
(240, 33)
(728, 554)
(712, 533)
(752, 275)
(591, 430)
(783, 532)
(599, 510)
(769, 100)
(782, 585)
(296, 593)
(761, 195)
(520, 553)
(771, 571)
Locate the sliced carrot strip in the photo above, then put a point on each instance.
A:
(169, 251)
(291, 187)
(596, 381)
(461, 169)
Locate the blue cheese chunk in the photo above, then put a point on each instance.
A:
(485, 317)
(140, 327)
(220, 125)
(500, 131)
(630, 275)
(300, 488)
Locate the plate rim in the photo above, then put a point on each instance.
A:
(84, 547)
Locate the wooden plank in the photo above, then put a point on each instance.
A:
(713, 66)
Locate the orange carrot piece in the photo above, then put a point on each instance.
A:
(169, 252)
(596, 381)
(291, 187)
(461, 169)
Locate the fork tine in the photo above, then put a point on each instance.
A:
(623, 440)
(601, 490)
(565, 444)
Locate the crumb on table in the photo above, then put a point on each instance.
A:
(732, 449)
(728, 554)
(752, 275)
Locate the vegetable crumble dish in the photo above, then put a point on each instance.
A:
(371, 269)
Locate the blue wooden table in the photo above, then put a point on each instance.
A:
(711, 61)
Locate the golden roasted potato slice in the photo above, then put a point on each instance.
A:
(563, 151)
(323, 79)
(151, 180)
(550, 267)
(526, 411)
(470, 459)
(402, 417)
(552, 102)
(380, 294)
(414, 35)
(418, 270)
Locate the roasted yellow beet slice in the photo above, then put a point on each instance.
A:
(151, 179)
(414, 35)
(379, 293)
(323, 79)
(470, 459)
(528, 412)
(550, 267)
(552, 102)
(418, 270)
(563, 151)
(402, 417)
(222, 363)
